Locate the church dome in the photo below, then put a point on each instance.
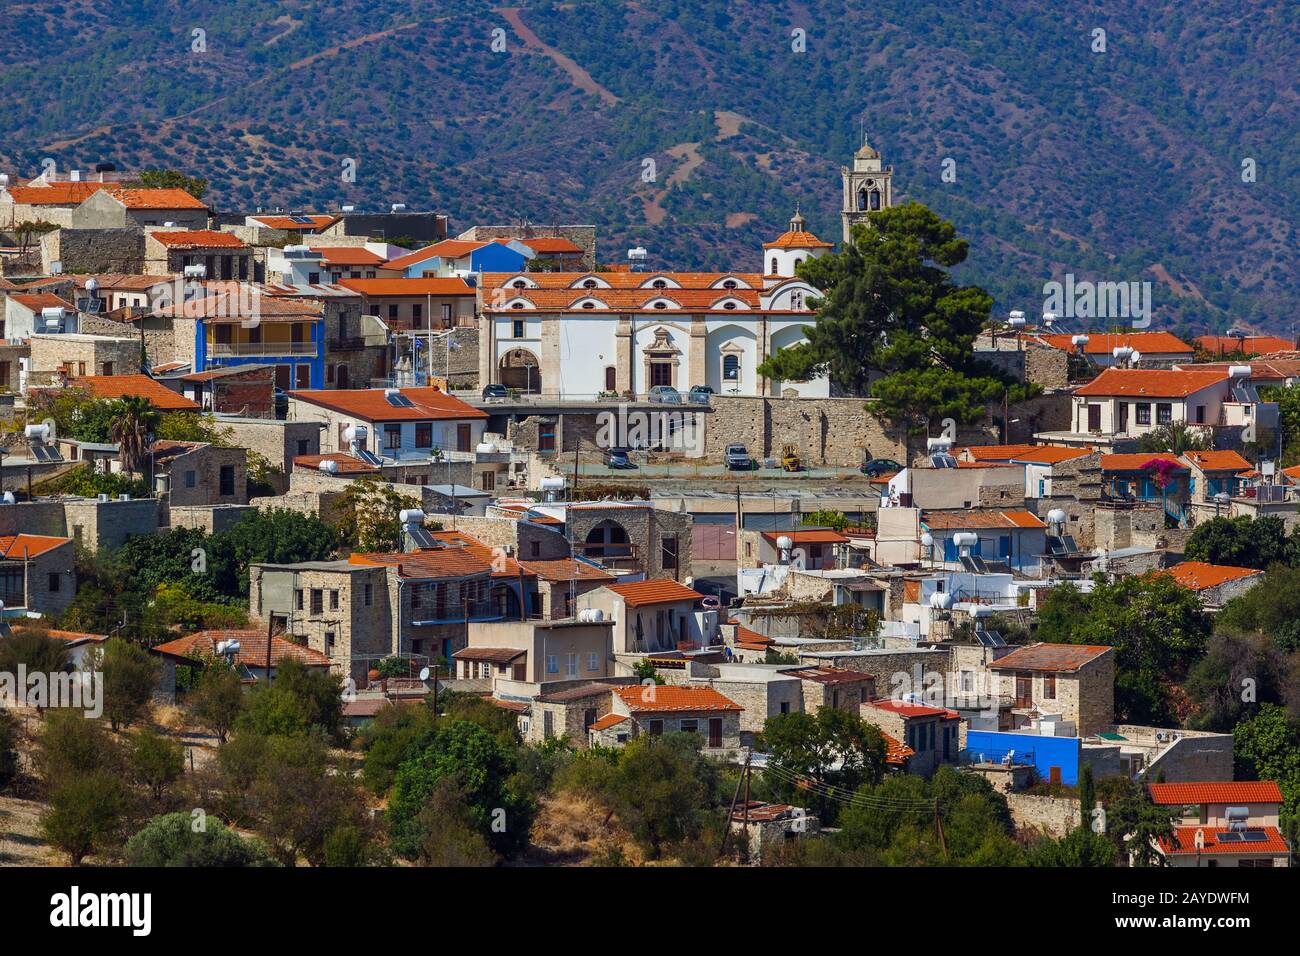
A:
(797, 236)
(866, 152)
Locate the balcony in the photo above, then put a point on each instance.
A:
(258, 349)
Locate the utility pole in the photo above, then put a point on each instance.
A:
(726, 831)
(269, 620)
(938, 829)
(746, 830)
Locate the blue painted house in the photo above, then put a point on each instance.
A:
(451, 256)
(243, 329)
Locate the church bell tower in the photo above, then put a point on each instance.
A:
(868, 186)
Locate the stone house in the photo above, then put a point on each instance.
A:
(662, 709)
(250, 658)
(1069, 685)
(222, 255)
(1215, 584)
(337, 608)
(59, 358)
(37, 572)
(760, 690)
(197, 473)
(568, 712)
(931, 733)
(116, 207)
(656, 615)
(536, 652)
(560, 583)
(1222, 823)
(834, 687)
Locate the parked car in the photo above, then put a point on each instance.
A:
(618, 458)
(496, 391)
(699, 395)
(738, 458)
(666, 395)
(880, 466)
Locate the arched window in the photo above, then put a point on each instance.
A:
(796, 299)
(730, 368)
(589, 305)
(773, 272)
(875, 199)
(862, 198)
(659, 284)
(728, 305)
(589, 284)
(520, 284)
(661, 304)
(517, 305)
(729, 284)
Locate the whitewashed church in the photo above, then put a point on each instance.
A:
(573, 335)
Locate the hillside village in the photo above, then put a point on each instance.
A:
(355, 510)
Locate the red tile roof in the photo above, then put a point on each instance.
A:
(72, 637)
(797, 239)
(656, 591)
(1198, 575)
(830, 675)
(551, 245)
(644, 281)
(1184, 841)
(388, 288)
(609, 720)
(1150, 383)
(1215, 791)
(252, 648)
(427, 563)
(1051, 658)
(447, 249)
(994, 452)
(1101, 343)
(813, 536)
(55, 194)
(116, 386)
(565, 569)
(665, 698)
(41, 300)
(896, 753)
(1249, 344)
(1136, 462)
(908, 709)
(287, 224)
(350, 256)
(369, 404)
(155, 198)
(971, 518)
(348, 465)
(198, 239)
(19, 546)
(1217, 460)
(1053, 454)
(503, 566)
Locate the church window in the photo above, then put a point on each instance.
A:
(875, 199)
(730, 368)
(773, 271)
(728, 305)
(517, 305)
(589, 284)
(729, 284)
(659, 284)
(520, 284)
(862, 198)
(661, 304)
(589, 305)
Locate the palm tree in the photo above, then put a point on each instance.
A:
(133, 418)
(1176, 438)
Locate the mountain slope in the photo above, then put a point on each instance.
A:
(1123, 165)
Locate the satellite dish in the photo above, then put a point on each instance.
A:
(425, 673)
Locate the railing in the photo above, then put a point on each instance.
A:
(221, 349)
(1005, 758)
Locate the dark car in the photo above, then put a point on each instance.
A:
(880, 466)
(494, 391)
(618, 458)
(699, 395)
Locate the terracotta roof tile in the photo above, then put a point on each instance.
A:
(656, 591)
(1217, 460)
(154, 198)
(55, 194)
(565, 569)
(386, 288)
(670, 698)
(1184, 841)
(427, 563)
(1051, 658)
(348, 465)
(252, 648)
(1249, 344)
(287, 224)
(350, 256)
(1150, 383)
(369, 404)
(609, 720)
(896, 753)
(1215, 791)
(1197, 575)
(812, 536)
(551, 245)
(198, 239)
(116, 386)
(972, 518)
(1136, 462)
(18, 546)
(908, 709)
(1101, 343)
(797, 239)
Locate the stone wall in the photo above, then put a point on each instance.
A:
(85, 354)
(210, 518)
(517, 535)
(1055, 816)
(278, 442)
(94, 250)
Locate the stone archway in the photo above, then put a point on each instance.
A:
(520, 369)
(608, 539)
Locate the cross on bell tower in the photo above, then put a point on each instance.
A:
(868, 186)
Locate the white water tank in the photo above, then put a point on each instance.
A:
(485, 448)
(1239, 371)
(329, 466)
(938, 444)
(1079, 341)
(927, 540)
(355, 433)
(1016, 319)
(553, 483)
(1056, 516)
(1121, 352)
(963, 538)
(941, 600)
(37, 432)
(411, 516)
(785, 542)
